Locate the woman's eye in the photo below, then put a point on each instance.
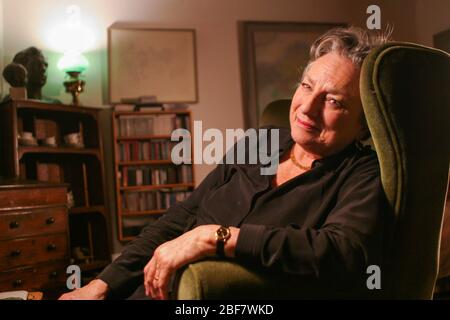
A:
(305, 85)
(335, 103)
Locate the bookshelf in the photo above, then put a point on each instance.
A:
(147, 182)
(79, 164)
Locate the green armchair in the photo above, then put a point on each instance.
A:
(406, 100)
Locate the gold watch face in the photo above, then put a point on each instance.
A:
(223, 234)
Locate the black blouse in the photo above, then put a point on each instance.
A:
(325, 225)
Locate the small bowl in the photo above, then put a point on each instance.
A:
(72, 139)
(28, 142)
(48, 142)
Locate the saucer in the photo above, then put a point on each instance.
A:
(52, 145)
(28, 142)
(43, 143)
(75, 145)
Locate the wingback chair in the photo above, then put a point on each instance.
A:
(405, 91)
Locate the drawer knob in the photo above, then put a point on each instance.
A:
(50, 220)
(51, 247)
(17, 283)
(14, 225)
(53, 275)
(15, 253)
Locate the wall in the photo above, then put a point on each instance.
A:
(432, 16)
(27, 22)
(1, 46)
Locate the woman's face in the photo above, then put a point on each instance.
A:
(326, 109)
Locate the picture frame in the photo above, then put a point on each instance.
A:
(144, 63)
(441, 40)
(272, 56)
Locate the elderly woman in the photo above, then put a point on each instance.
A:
(322, 217)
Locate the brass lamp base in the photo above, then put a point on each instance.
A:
(74, 86)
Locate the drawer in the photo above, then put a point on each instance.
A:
(21, 252)
(35, 278)
(29, 223)
(27, 197)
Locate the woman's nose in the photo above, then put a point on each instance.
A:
(311, 106)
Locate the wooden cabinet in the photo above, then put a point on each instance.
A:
(147, 181)
(61, 144)
(34, 236)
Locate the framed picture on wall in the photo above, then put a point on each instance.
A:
(273, 55)
(146, 62)
(441, 40)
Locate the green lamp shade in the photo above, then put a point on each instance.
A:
(73, 63)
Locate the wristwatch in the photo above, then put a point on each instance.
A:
(222, 235)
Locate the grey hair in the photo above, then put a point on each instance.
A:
(353, 43)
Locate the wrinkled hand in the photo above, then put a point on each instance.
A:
(94, 290)
(168, 257)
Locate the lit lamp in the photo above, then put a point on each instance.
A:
(73, 64)
(73, 39)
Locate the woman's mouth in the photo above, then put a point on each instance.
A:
(306, 125)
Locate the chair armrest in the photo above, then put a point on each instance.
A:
(226, 279)
(219, 279)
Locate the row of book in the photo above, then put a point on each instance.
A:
(142, 125)
(141, 176)
(153, 200)
(48, 172)
(144, 106)
(142, 151)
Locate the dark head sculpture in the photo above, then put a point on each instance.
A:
(34, 62)
(15, 74)
(28, 69)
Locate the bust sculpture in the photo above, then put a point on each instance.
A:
(28, 69)
(36, 65)
(16, 75)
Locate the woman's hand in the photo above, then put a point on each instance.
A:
(170, 256)
(94, 290)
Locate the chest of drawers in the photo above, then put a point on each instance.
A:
(34, 238)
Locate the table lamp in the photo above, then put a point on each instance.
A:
(73, 64)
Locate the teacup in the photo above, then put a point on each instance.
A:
(26, 135)
(50, 140)
(72, 138)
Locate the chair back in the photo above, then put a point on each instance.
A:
(276, 114)
(405, 91)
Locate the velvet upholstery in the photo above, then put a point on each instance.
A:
(275, 113)
(405, 90)
(205, 279)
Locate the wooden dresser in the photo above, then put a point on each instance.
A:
(34, 238)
